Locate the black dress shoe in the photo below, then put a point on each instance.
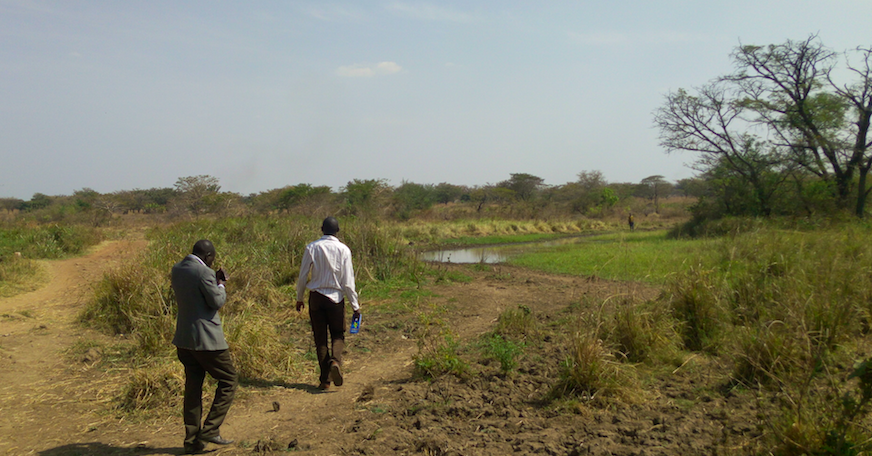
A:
(217, 440)
(197, 448)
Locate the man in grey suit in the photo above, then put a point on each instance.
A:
(200, 343)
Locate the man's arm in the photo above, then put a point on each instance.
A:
(305, 267)
(347, 281)
(215, 295)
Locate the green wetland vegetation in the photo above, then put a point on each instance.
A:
(640, 256)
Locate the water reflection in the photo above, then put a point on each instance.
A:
(474, 255)
(493, 253)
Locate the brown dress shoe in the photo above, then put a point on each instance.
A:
(335, 373)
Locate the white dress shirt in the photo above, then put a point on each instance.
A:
(329, 261)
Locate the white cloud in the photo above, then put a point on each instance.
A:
(366, 71)
(388, 68)
(427, 11)
(75, 55)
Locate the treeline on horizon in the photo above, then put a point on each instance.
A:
(780, 136)
(521, 196)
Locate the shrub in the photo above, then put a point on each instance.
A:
(502, 350)
(438, 349)
(439, 355)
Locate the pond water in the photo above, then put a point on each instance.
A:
(493, 253)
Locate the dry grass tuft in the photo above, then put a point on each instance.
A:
(593, 373)
(153, 388)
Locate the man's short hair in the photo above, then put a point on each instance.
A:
(330, 226)
(203, 247)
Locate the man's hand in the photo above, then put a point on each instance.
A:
(356, 313)
(300, 305)
(221, 276)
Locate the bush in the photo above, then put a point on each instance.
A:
(439, 355)
(438, 349)
(503, 350)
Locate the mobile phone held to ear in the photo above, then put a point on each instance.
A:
(355, 324)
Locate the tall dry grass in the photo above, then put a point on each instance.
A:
(786, 309)
(262, 256)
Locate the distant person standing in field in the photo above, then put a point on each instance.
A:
(200, 344)
(332, 280)
(631, 222)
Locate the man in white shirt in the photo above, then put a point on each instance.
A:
(332, 281)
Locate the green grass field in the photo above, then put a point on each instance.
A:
(642, 256)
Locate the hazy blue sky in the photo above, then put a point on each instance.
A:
(118, 95)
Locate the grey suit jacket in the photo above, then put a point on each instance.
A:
(198, 326)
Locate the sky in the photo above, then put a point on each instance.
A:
(123, 95)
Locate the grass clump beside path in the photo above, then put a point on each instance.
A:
(21, 245)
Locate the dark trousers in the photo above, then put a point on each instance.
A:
(326, 315)
(220, 366)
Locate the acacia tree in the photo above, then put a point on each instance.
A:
(655, 183)
(790, 89)
(291, 196)
(197, 193)
(809, 122)
(363, 197)
(525, 186)
(710, 122)
(859, 97)
(589, 187)
(99, 207)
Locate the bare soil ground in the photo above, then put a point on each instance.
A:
(53, 405)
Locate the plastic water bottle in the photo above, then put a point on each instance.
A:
(355, 324)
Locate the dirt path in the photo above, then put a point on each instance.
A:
(36, 329)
